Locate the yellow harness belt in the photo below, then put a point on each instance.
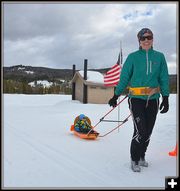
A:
(143, 90)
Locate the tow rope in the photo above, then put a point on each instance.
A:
(102, 119)
(125, 120)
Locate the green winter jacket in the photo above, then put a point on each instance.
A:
(144, 69)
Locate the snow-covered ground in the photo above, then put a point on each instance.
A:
(39, 150)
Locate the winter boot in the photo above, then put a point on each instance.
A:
(135, 166)
(143, 162)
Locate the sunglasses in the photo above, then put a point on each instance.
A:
(143, 38)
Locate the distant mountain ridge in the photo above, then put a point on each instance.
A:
(31, 73)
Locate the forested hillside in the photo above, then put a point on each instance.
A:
(18, 79)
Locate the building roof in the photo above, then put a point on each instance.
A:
(93, 78)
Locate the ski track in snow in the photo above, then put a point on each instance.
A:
(40, 150)
(58, 157)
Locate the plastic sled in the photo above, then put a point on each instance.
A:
(92, 135)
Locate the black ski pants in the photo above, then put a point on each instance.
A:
(144, 117)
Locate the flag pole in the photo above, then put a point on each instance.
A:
(118, 98)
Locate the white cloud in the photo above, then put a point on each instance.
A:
(27, 52)
(173, 56)
(172, 67)
(59, 35)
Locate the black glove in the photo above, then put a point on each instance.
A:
(113, 101)
(164, 107)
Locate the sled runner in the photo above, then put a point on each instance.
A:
(92, 135)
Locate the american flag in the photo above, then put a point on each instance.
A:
(111, 78)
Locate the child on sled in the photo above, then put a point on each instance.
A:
(82, 125)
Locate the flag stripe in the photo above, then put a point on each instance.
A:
(114, 69)
(112, 76)
(113, 83)
(111, 79)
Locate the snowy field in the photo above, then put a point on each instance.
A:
(40, 151)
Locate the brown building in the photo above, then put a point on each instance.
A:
(91, 90)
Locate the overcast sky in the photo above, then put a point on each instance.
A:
(58, 35)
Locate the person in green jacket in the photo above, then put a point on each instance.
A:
(145, 74)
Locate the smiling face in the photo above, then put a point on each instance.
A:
(146, 41)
